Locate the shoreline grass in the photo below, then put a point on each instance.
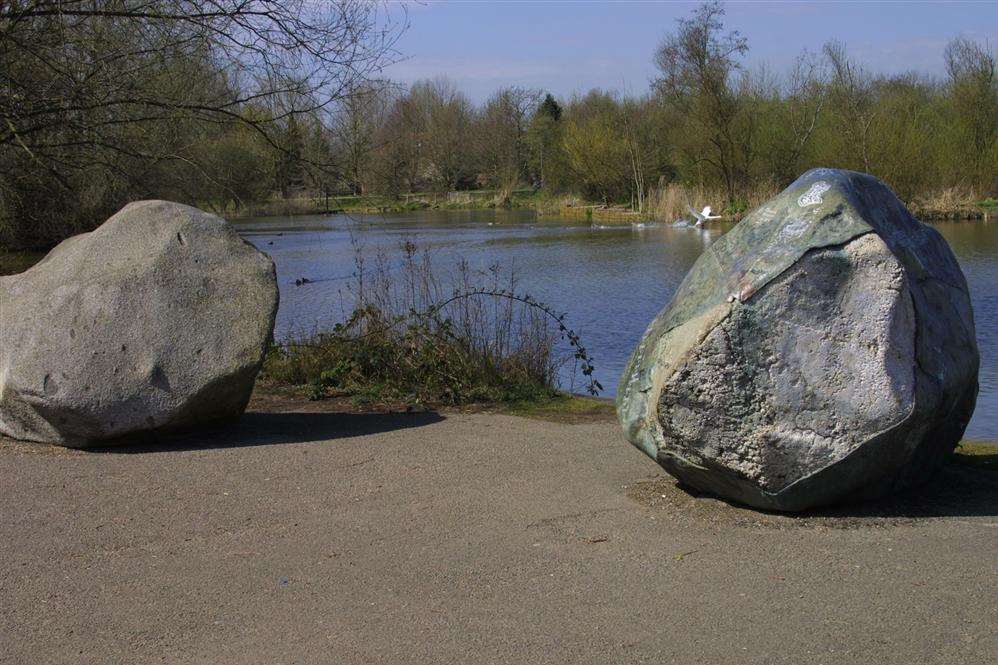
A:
(982, 454)
(565, 407)
(665, 203)
(484, 199)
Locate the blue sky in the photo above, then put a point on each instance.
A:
(571, 46)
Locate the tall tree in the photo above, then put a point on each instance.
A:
(974, 100)
(544, 138)
(354, 126)
(790, 114)
(596, 148)
(502, 132)
(854, 101)
(445, 116)
(698, 63)
(290, 176)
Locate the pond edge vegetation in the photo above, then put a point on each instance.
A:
(419, 336)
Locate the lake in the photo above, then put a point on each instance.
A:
(610, 281)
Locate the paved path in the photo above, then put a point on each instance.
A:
(466, 538)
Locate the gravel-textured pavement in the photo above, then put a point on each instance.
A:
(466, 538)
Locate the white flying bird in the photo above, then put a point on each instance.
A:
(702, 216)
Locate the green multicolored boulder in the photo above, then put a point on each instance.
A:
(823, 350)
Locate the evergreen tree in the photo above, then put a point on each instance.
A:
(544, 138)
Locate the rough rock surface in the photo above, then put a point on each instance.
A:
(157, 319)
(823, 350)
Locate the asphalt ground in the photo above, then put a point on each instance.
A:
(303, 536)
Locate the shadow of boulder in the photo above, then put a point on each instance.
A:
(959, 489)
(966, 487)
(257, 428)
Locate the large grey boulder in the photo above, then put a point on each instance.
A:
(823, 350)
(159, 318)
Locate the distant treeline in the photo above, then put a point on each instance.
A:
(103, 107)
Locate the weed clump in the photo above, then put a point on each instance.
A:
(421, 336)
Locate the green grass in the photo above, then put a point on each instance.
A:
(978, 453)
(988, 203)
(564, 408)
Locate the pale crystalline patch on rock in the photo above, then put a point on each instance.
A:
(766, 214)
(813, 195)
(814, 365)
(822, 172)
(794, 229)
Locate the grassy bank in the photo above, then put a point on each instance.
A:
(989, 206)
(953, 203)
(674, 201)
(380, 204)
(978, 453)
(564, 408)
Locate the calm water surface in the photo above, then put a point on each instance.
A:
(610, 281)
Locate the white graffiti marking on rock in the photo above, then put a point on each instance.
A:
(813, 195)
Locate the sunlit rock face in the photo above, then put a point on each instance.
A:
(159, 318)
(821, 351)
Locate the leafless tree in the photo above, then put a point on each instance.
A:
(444, 117)
(853, 95)
(697, 64)
(354, 127)
(806, 94)
(974, 90)
(502, 133)
(85, 84)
